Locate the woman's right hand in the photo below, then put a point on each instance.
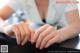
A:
(22, 32)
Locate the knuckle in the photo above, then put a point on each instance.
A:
(45, 40)
(27, 32)
(47, 25)
(51, 27)
(27, 37)
(38, 31)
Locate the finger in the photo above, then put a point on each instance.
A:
(38, 32)
(46, 39)
(32, 31)
(51, 41)
(26, 30)
(17, 33)
(25, 40)
(43, 35)
(22, 33)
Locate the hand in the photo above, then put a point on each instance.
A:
(22, 32)
(43, 35)
(48, 35)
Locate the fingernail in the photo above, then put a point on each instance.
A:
(41, 48)
(46, 46)
(22, 44)
(32, 41)
(18, 42)
(36, 46)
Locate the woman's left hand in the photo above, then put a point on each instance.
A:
(45, 36)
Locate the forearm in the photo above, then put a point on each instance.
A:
(70, 31)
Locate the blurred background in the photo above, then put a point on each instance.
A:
(19, 15)
(79, 6)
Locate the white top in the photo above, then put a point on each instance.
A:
(55, 14)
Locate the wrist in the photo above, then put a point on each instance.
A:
(8, 30)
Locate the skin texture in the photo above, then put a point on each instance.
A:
(45, 35)
(20, 30)
(42, 6)
(22, 33)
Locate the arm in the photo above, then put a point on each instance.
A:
(74, 25)
(5, 12)
(21, 30)
(47, 35)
